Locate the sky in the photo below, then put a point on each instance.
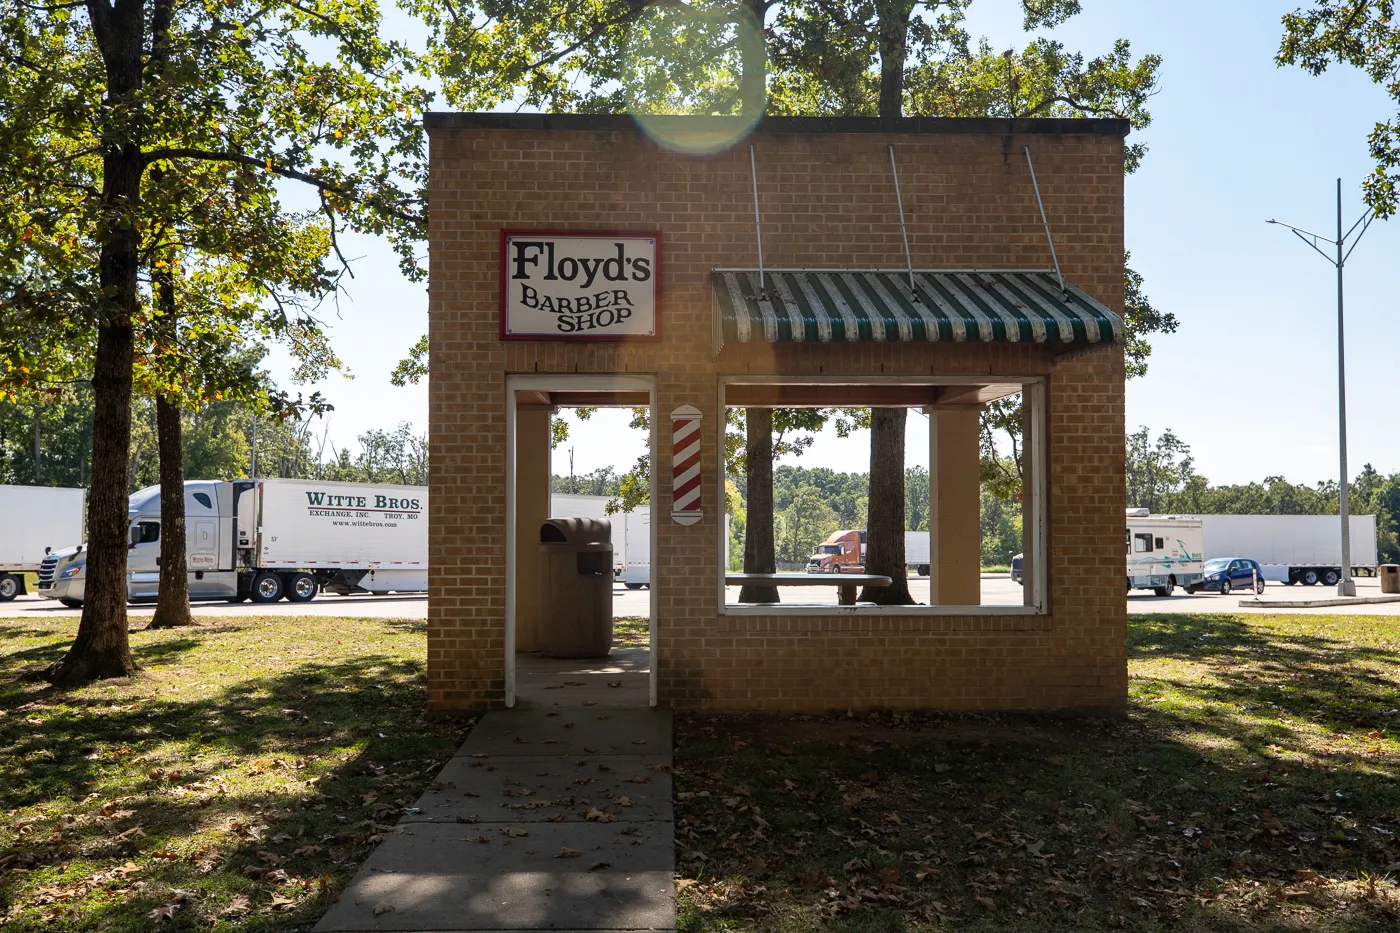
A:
(1249, 380)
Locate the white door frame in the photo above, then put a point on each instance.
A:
(569, 382)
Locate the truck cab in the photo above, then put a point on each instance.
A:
(207, 502)
(842, 552)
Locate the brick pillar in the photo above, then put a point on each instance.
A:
(532, 474)
(955, 509)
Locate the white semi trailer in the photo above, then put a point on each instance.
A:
(34, 520)
(1290, 549)
(916, 552)
(268, 539)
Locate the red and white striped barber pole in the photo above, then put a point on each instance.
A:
(685, 465)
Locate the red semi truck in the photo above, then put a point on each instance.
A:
(842, 552)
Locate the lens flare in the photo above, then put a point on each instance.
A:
(683, 77)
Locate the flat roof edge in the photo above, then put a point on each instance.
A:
(621, 122)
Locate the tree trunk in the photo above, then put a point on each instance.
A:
(38, 470)
(884, 548)
(758, 528)
(753, 80)
(893, 18)
(101, 648)
(173, 599)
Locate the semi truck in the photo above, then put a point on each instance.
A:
(844, 552)
(1164, 552)
(269, 539)
(1291, 549)
(34, 520)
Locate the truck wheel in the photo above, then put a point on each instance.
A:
(9, 587)
(633, 586)
(1309, 577)
(301, 588)
(72, 603)
(266, 588)
(1331, 577)
(835, 568)
(923, 570)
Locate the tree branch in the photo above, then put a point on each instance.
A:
(238, 158)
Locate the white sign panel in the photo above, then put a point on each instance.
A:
(579, 286)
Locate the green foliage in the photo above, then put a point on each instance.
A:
(1366, 35)
(414, 367)
(803, 524)
(603, 481)
(1155, 470)
(237, 98)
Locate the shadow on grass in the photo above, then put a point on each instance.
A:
(1252, 787)
(259, 800)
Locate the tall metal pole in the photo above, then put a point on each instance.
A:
(1346, 586)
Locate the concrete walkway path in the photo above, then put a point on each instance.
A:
(544, 820)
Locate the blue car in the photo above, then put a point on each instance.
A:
(1226, 575)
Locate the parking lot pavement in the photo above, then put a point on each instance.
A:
(997, 590)
(408, 606)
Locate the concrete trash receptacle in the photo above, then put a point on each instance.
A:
(576, 588)
(1390, 578)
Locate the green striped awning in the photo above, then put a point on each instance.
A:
(1015, 306)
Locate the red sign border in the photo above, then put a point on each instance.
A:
(507, 233)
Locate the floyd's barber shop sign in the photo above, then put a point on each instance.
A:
(579, 286)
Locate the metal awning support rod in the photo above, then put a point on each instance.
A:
(908, 256)
(1043, 219)
(757, 224)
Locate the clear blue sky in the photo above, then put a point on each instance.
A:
(1249, 380)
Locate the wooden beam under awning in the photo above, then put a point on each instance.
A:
(831, 395)
(974, 394)
(594, 399)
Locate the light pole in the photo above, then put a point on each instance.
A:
(1346, 586)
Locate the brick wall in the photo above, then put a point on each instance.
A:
(827, 201)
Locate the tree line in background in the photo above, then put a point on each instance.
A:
(1162, 477)
(217, 442)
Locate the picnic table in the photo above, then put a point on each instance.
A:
(847, 583)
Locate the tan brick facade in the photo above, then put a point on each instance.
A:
(827, 202)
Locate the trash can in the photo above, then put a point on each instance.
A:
(576, 588)
(1390, 578)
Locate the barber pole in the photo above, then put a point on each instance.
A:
(685, 465)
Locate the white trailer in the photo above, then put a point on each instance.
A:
(1164, 552)
(35, 520)
(1292, 549)
(916, 552)
(569, 505)
(268, 539)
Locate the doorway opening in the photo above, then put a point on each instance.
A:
(538, 489)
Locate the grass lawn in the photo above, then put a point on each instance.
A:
(1252, 786)
(236, 785)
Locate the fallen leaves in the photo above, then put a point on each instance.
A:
(566, 852)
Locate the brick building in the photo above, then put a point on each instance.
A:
(547, 229)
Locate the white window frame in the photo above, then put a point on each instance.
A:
(1034, 539)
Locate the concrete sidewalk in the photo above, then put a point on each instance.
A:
(543, 820)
